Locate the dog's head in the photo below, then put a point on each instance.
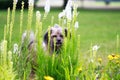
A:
(55, 35)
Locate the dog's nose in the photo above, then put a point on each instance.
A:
(59, 40)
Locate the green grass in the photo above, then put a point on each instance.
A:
(99, 27)
(96, 27)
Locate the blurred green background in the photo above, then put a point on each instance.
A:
(96, 26)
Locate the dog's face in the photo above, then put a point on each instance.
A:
(55, 37)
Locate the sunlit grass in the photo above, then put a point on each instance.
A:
(98, 27)
(92, 52)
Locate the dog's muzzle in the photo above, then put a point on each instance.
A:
(59, 42)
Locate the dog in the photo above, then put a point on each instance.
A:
(53, 41)
(54, 38)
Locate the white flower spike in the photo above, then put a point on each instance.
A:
(95, 47)
(68, 10)
(38, 15)
(16, 1)
(69, 4)
(76, 25)
(69, 14)
(61, 14)
(31, 2)
(15, 48)
(47, 6)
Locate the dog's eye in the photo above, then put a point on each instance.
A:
(61, 36)
(54, 36)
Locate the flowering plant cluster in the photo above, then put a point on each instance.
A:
(17, 64)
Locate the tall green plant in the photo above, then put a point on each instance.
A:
(6, 64)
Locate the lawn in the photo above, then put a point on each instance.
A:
(95, 27)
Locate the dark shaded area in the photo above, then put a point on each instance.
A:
(4, 4)
(65, 3)
(107, 2)
(25, 4)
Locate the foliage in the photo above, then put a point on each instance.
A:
(69, 64)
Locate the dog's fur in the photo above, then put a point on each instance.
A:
(53, 38)
(55, 35)
(29, 43)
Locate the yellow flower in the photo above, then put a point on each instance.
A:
(100, 60)
(48, 78)
(80, 69)
(110, 57)
(113, 56)
(118, 56)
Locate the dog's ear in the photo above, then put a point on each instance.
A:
(66, 33)
(46, 36)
